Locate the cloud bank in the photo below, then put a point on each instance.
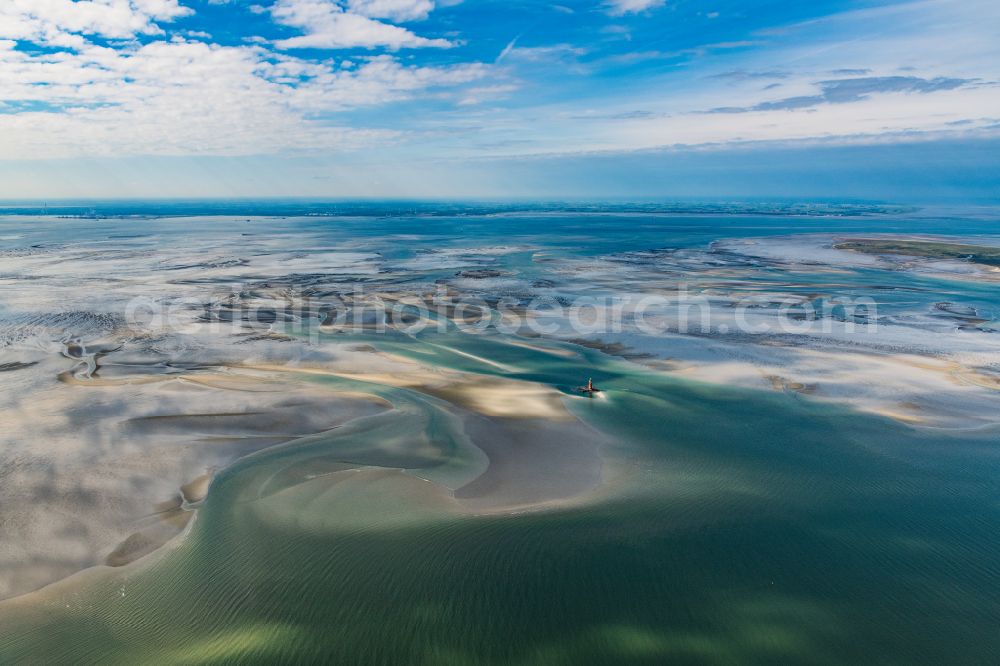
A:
(422, 81)
(329, 25)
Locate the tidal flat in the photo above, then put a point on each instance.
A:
(359, 436)
(975, 254)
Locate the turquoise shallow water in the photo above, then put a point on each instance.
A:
(742, 526)
(752, 528)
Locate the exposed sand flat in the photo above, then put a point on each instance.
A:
(900, 414)
(479, 359)
(196, 490)
(85, 468)
(538, 452)
(908, 388)
(933, 249)
(506, 398)
(555, 351)
(947, 388)
(162, 528)
(533, 463)
(759, 313)
(933, 255)
(108, 465)
(490, 396)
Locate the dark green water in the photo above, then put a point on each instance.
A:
(749, 528)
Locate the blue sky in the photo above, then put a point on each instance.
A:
(450, 98)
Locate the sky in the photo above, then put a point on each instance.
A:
(481, 98)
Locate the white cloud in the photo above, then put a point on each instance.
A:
(183, 97)
(394, 10)
(328, 26)
(891, 115)
(179, 96)
(507, 49)
(564, 57)
(552, 53)
(619, 7)
(63, 23)
(846, 78)
(478, 95)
